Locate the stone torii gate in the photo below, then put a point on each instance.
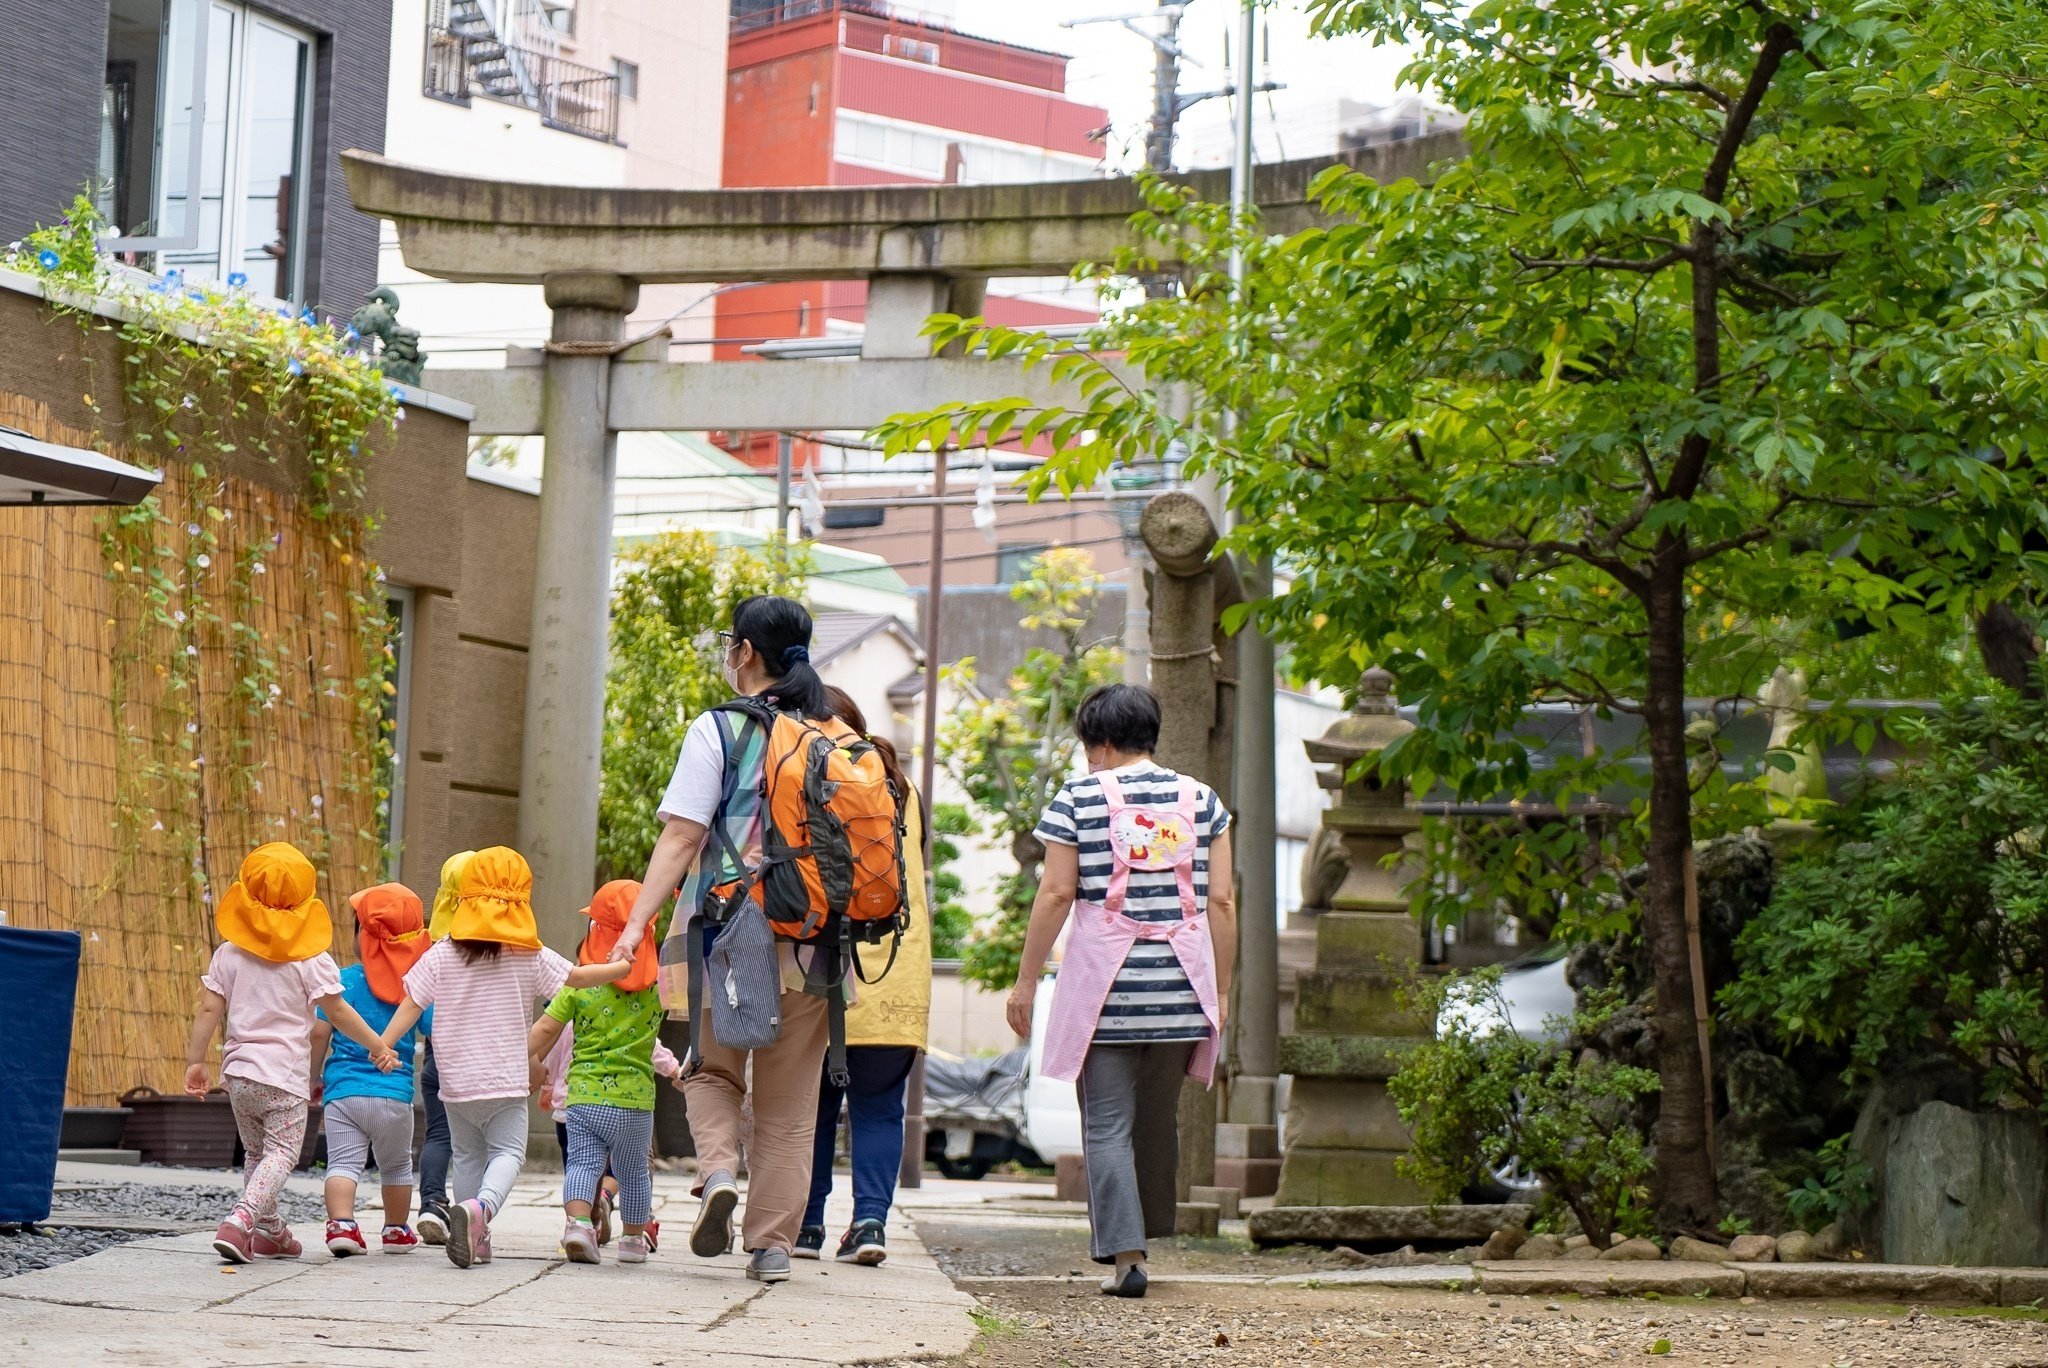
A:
(921, 250)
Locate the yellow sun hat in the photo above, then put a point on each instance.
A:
(449, 891)
(271, 910)
(497, 900)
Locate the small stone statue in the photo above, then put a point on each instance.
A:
(399, 355)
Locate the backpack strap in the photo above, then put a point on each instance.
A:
(1119, 870)
(1184, 871)
(694, 1061)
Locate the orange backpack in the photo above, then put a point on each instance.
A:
(831, 832)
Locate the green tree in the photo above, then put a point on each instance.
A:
(1012, 752)
(1926, 929)
(674, 592)
(1724, 347)
(952, 922)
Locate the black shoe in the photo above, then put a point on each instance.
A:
(810, 1243)
(1131, 1284)
(865, 1244)
(432, 1226)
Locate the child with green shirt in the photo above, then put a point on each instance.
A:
(609, 1096)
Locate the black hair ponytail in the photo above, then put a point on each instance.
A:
(779, 630)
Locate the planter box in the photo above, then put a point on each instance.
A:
(99, 1128)
(185, 1132)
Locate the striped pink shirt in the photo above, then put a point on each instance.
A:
(482, 1012)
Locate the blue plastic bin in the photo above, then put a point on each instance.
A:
(39, 984)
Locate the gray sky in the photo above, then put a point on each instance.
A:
(1112, 67)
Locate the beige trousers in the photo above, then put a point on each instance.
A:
(784, 1118)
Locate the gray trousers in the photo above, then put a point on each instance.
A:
(1130, 1101)
(363, 1130)
(489, 1137)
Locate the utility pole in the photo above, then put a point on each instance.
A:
(1256, 1048)
(1166, 107)
(783, 474)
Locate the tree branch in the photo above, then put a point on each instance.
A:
(1593, 261)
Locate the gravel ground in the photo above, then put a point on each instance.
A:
(24, 1249)
(1050, 1326)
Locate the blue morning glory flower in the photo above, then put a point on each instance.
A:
(173, 276)
(295, 366)
(237, 279)
(47, 259)
(353, 335)
(196, 296)
(398, 393)
(307, 316)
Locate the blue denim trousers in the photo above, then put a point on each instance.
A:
(874, 1097)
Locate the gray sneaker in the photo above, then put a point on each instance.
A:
(769, 1266)
(711, 1236)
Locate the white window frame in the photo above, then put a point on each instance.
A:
(234, 226)
(407, 603)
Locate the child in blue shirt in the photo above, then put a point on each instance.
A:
(369, 1114)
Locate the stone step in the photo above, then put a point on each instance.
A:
(1316, 1177)
(1196, 1218)
(1224, 1199)
(1238, 1141)
(1384, 941)
(1250, 1177)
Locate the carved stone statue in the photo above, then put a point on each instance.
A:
(399, 355)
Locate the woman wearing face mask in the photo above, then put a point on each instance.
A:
(718, 781)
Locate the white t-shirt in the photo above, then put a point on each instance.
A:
(694, 789)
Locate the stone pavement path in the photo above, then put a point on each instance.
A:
(171, 1302)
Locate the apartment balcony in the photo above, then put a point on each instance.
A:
(467, 57)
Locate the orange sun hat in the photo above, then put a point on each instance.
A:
(391, 935)
(271, 910)
(608, 910)
(496, 903)
(446, 896)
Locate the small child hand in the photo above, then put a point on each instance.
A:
(197, 1078)
(385, 1058)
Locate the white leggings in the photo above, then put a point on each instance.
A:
(489, 1140)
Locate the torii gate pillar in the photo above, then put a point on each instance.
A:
(565, 663)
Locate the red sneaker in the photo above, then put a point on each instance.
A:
(400, 1240)
(653, 1237)
(345, 1238)
(232, 1241)
(275, 1244)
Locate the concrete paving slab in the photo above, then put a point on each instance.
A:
(1595, 1278)
(1874, 1282)
(169, 1301)
(1414, 1275)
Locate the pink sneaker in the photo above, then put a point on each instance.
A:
(275, 1244)
(345, 1238)
(232, 1241)
(400, 1240)
(469, 1234)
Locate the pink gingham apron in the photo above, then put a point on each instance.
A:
(1102, 937)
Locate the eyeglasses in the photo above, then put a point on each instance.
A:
(725, 642)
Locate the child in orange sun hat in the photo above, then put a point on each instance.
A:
(483, 981)
(599, 1055)
(271, 970)
(368, 1112)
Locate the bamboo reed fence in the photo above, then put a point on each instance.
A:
(132, 782)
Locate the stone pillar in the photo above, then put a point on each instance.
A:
(1343, 1133)
(1181, 538)
(1257, 1017)
(565, 664)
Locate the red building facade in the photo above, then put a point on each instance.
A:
(855, 92)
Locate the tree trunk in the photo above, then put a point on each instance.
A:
(1683, 1181)
(2006, 643)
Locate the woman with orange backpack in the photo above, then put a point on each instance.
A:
(781, 833)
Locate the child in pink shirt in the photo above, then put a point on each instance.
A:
(269, 973)
(482, 983)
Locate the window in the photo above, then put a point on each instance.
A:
(910, 49)
(204, 140)
(399, 606)
(1014, 563)
(628, 74)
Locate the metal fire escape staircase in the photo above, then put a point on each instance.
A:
(492, 66)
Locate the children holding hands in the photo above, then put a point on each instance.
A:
(368, 1112)
(269, 973)
(483, 982)
(605, 1099)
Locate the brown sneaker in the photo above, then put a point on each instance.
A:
(232, 1241)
